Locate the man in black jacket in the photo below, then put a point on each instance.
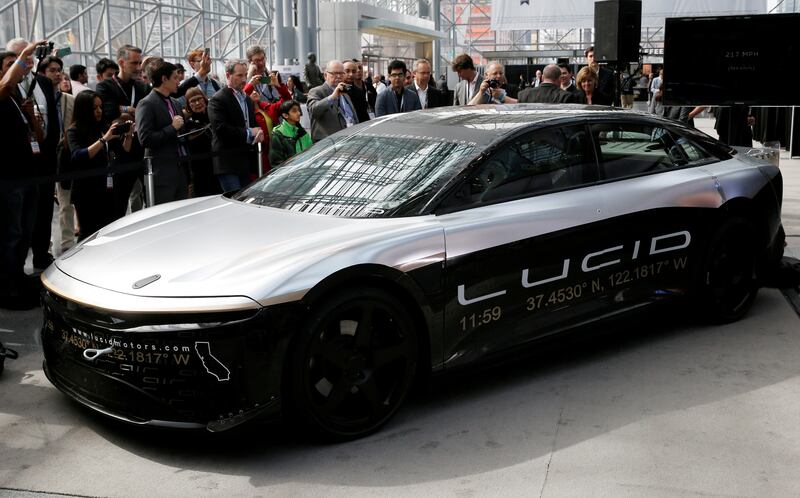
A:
(356, 94)
(568, 83)
(122, 93)
(17, 197)
(548, 91)
(429, 96)
(233, 130)
(605, 76)
(159, 119)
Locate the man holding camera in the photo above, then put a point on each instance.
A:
(158, 120)
(398, 98)
(359, 98)
(20, 144)
(258, 67)
(491, 89)
(329, 106)
(122, 93)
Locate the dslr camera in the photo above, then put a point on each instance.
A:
(348, 88)
(43, 50)
(493, 83)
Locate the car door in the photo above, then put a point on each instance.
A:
(513, 232)
(657, 204)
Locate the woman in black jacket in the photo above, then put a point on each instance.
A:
(88, 145)
(203, 180)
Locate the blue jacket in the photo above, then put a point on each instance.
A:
(387, 102)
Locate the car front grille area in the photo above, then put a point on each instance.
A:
(207, 368)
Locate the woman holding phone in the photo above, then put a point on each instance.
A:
(93, 197)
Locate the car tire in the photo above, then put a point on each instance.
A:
(729, 282)
(353, 364)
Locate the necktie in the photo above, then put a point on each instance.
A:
(348, 113)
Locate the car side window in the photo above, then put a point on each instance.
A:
(693, 152)
(631, 149)
(543, 161)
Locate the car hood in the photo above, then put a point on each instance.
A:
(219, 247)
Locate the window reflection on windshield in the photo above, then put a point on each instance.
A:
(362, 176)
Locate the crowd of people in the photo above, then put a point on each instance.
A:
(199, 133)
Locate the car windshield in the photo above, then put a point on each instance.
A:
(362, 176)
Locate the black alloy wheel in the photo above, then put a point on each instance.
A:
(729, 272)
(354, 364)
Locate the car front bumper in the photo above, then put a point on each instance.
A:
(187, 370)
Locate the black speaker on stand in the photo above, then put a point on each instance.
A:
(617, 30)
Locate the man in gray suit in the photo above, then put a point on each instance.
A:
(398, 98)
(470, 80)
(329, 107)
(158, 119)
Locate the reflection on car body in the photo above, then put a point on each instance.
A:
(418, 242)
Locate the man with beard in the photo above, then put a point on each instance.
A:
(356, 94)
(234, 130)
(122, 93)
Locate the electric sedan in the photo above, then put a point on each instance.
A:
(411, 244)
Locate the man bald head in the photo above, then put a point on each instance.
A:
(551, 74)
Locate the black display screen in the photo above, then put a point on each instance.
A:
(729, 60)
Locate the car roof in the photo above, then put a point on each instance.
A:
(481, 124)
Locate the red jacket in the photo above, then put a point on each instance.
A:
(267, 116)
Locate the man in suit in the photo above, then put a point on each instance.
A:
(429, 96)
(605, 76)
(122, 93)
(549, 91)
(491, 90)
(470, 80)
(356, 94)
(233, 130)
(398, 98)
(158, 120)
(568, 83)
(329, 106)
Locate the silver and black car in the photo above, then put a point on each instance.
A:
(411, 244)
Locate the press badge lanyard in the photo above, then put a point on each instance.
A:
(34, 144)
(133, 90)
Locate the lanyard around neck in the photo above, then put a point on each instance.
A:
(133, 89)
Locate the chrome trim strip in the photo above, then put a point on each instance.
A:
(74, 290)
(160, 423)
(407, 266)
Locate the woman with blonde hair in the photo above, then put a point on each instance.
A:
(586, 82)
